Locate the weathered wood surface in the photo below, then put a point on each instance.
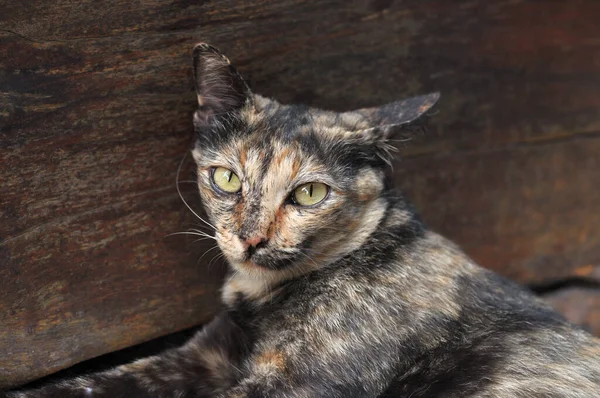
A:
(95, 106)
(582, 304)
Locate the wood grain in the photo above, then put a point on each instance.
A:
(95, 109)
(580, 305)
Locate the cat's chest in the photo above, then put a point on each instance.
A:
(240, 287)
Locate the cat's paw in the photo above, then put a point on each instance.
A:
(50, 393)
(237, 392)
(12, 394)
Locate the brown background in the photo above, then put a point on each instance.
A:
(95, 116)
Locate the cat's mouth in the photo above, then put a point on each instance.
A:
(273, 260)
(266, 257)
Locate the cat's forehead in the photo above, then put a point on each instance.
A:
(268, 131)
(266, 137)
(290, 121)
(260, 154)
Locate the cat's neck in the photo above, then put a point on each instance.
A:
(401, 224)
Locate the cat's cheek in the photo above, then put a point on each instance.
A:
(286, 227)
(369, 184)
(230, 246)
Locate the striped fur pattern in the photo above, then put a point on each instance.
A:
(351, 297)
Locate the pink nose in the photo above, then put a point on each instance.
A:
(255, 240)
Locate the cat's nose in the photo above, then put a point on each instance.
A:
(256, 241)
(253, 243)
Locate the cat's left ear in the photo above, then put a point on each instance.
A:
(384, 119)
(219, 87)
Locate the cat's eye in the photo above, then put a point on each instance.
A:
(310, 194)
(226, 180)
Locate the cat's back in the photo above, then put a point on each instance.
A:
(498, 340)
(549, 363)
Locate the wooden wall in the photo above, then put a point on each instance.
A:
(95, 116)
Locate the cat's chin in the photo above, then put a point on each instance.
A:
(261, 265)
(263, 259)
(269, 262)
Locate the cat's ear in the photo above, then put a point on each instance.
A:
(384, 119)
(219, 87)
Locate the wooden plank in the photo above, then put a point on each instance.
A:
(95, 106)
(580, 305)
(532, 211)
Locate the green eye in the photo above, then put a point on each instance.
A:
(310, 194)
(226, 180)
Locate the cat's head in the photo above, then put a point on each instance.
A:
(289, 188)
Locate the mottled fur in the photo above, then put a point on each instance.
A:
(352, 297)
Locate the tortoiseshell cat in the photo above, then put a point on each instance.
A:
(336, 288)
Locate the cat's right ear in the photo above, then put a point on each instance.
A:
(219, 87)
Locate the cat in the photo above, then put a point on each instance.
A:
(337, 289)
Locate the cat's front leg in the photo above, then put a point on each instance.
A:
(203, 367)
(106, 384)
(302, 370)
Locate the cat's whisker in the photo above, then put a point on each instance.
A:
(181, 196)
(235, 272)
(235, 367)
(313, 261)
(399, 140)
(199, 240)
(202, 233)
(201, 226)
(205, 253)
(192, 233)
(197, 230)
(334, 229)
(215, 259)
(267, 287)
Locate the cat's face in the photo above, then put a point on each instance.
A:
(288, 188)
(281, 192)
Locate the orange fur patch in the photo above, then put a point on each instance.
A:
(243, 156)
(272, 358)
(284, 154)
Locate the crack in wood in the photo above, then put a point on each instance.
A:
(573, 282)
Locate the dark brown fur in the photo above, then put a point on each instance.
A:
(351, 297)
